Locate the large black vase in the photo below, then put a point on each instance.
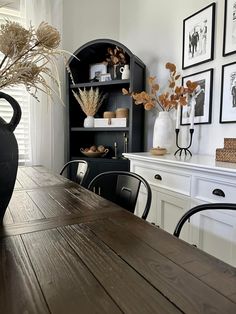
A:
(8, 154)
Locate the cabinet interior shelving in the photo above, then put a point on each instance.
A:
(79, 137)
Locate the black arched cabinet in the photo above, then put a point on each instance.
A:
(79, 137)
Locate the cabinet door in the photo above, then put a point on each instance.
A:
(141, 203)
(170, 208)
(215, 233)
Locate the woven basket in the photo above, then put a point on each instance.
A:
(230, 143)
(228, 155)
(122, 113)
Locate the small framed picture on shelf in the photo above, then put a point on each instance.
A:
(229, 43)
(105, 77)
(202, 114)
(95, 71)
(228, 93)
(198, 37)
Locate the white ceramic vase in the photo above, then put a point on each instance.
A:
(163, 132)
(89, 122)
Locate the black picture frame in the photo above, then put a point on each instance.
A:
(228, 93)
(229, 38)
(203, 106)
(198, 37)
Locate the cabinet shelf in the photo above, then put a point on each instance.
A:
(102, 160)
(109, 129)
(95, 84)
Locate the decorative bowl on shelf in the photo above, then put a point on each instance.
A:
(159, 151)
(94, 154)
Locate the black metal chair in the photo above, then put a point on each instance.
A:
(196, 209)
(122, 188)
(82, 169)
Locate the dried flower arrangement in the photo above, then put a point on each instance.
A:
(167, 100)
(89, 100)
(27, 54)
(116, 56)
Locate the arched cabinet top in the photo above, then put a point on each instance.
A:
(93, 47)
(96, 51)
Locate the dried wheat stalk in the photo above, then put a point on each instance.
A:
(89, 100)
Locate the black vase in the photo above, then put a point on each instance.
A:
(8, 154)
(114, 70)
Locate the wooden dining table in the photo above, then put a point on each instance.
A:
(66, 250)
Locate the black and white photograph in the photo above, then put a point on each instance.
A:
(202, 97)
(198, 37)
(228, 93)
(229, 43)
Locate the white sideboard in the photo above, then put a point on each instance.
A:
(181, 183)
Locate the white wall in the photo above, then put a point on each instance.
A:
(152, 30)
(85, 20)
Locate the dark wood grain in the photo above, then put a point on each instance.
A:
(22, 208)
(64, 249)
(43, 178)
(7, 219)
(209, 269)
(19, 289)
(53, 222)
(164, 274)
(34, 177)
(58, 201)
(130, 291)
(24, 181)
(67, 284)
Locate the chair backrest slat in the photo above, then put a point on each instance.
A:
(199, 208)
(82, 169)
(122, 188)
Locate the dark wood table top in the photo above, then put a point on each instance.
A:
(66, 250)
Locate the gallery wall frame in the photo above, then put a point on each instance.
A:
(203, 106)
(229, 39)
(198, 37)
(228, 93)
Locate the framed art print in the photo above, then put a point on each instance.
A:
(203, 104)
(96, 69)
(229, 42)
(198, 37)
(228, 93)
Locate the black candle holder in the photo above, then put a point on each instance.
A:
(185, 149)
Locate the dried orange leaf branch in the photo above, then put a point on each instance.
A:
(173, 96)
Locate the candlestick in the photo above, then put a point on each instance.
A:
(192, 113)
(178, 117)
(125, 145)
(115, 150)
(183, 149)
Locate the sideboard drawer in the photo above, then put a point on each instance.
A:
(214, 191)
(165, 179)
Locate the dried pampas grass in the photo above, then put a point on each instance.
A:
(89, 100)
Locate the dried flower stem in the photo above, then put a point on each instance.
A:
(27, 54)
(89, 100)
(167, 100)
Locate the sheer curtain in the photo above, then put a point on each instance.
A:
(49, 114)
